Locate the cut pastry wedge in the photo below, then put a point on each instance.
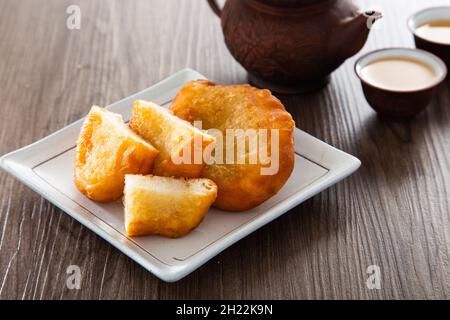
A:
(107, 149)
(165, 206)
(180, 144)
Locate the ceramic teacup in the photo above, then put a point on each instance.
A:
(440, 47)
(396, 103)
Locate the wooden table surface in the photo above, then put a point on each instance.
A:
(394, 212)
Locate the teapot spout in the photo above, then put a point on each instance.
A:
(355, 31)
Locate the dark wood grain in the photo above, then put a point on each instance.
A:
(394, 212)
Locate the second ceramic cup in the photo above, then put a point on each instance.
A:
(396, 88)
(431, 30)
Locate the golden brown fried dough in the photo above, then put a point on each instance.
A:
(107, 150)
(172, 136)
(165, 206)
(241, 186)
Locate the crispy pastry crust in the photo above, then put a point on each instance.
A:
(166, 206)
(107, 150)
(171, 136)
(241, 186)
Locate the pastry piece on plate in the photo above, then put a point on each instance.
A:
(165, 206)
(107, 149)
(265, 166)
(180, 144)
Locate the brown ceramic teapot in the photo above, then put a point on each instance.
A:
(291, 46)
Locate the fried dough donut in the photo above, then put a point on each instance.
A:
(171, 136)
(166, 206)
(107, 150)
(240, 186)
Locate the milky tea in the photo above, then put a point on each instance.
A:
(399, 73)
(436, 31)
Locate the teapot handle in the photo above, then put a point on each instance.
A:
(215, 7)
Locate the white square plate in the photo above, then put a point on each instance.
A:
(46, 166)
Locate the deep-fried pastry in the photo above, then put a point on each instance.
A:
(165, 206)
(173, 137)
(107, 150)
(241, 186)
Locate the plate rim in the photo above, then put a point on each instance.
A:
(343, 166)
